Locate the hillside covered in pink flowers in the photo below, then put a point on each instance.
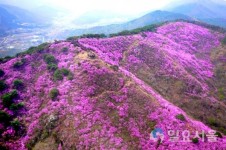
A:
(112, 93)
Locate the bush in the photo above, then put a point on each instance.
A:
(93, 36)
(91, 55)
(218, 134)
(87, 36)
(7, 99)
(221, 94)
(180, 117)
(15, 124)
(72, 38)
(32, 50)
(49, 59)
(70, 76)
(222, 130)
(14, 93)
(115, 67)
(19, 64)
(211, 121)
(224, 41)
(65, 72)
(41, 47)
(2, 73)
(18, 84)
(58, 75)
(54, 93)
(3, 86)
(64, 50)
(195, 140)
(5, 59)
(16, 107)
(52, 67)
(4, 117)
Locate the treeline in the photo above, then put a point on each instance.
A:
(87, 36)
(149, 28)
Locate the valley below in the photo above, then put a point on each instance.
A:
(19, 40)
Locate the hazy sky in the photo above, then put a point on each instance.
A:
(81, 6)
(78, 7)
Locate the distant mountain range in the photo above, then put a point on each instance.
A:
(12, 17)
(21, 15)
(207, 11)
(6, 20)
(150, 18)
